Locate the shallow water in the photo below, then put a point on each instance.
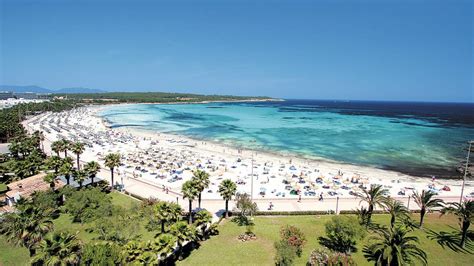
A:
(416, 138)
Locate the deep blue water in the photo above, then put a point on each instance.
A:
(417, 138)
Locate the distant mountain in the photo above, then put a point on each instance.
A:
(13, 88)
(38, 89)
(79, 90)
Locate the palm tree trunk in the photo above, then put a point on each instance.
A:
(65, 154)
(92, 180)
(67, 179)
(190, 221)
(112, 177)
(226, 209)
(465, 227)
(162, 227)
(78, 167)
(57, 152)
(32, 251)
(369, 213)
(199, 201)
(422, 216)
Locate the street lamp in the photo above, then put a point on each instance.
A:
(465, 170)
(251, 173)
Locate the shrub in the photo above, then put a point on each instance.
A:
(323, 257)
(88, 204)
(342, 234)
(101, 254)
(119, 228)
(294, 237)
(46, 200)
(285, 254)
(290, 213)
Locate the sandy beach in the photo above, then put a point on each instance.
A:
(157, 164)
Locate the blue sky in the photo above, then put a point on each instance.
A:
(366, 50)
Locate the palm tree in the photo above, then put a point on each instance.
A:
(202, 217)
(112, 161)
(426, 202)
(56, 146)
(375, 196)
(190, 191)
(183, 233)
(27, 226)
(66, 169)
(92, 168)
(167, 212)
(227, 189)
(64, 146)
(79, 176)
(50, 178)
(58, 249)
(39, 137)
(465, 213)
(394, 247)
(53, 163)
(201, 179)
(132, 251)
(396, 209)
(164, 245)
(77, 148)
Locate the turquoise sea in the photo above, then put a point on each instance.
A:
(416, 138)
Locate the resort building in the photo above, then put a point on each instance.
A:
(6, 95)
(25, 187)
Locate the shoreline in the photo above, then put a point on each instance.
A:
(443, 174)
(229, 153)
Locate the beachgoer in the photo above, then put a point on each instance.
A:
(321, 196)
(270, 206)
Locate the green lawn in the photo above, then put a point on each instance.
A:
(11, 255)
(225, 249)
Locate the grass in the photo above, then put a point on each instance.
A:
(12, 255)
(225, 249)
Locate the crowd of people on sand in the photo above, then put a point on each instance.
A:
(169, 160)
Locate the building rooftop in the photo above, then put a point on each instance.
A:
(27, 186)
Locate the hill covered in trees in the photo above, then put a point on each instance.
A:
(154, 97)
